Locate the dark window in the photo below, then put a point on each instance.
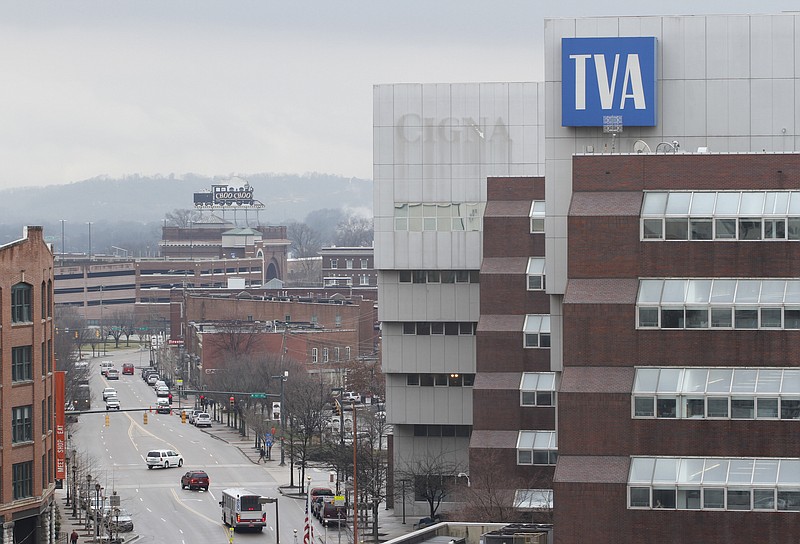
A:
(420, 276)
(423, 328)
(21, 426)
(21, 364)
(22, 475)
(44, 300)
(437, 327)
(469, 380)
(441, 379)
(412, 379)
(451, 329)
(426, 380)
(21, 303)
(409, 328)
(405, 276)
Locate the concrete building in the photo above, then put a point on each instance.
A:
(27, 433)
(675, 271)
(435, 146)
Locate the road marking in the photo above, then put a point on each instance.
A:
(162, 519)
(192, 510)
(148, 508)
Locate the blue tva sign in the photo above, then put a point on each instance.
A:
(603, 77)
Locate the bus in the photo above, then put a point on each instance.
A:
(242, 509)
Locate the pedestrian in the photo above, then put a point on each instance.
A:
(263, 455)
(73, 538)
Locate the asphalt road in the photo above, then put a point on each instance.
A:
(161, 510)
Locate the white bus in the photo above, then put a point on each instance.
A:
(242, 509)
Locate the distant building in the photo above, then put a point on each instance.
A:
(27, 433)
(348, 267)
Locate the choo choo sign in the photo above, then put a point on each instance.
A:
(608, 77)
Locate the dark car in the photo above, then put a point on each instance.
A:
(195, 479)
(127, 368)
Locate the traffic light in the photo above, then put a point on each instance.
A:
(76, 334)
(338, 408)
(144, 418)
(203, 401)
(183, 417)
(232, 401)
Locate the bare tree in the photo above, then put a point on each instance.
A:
(305, 240)
(354, 231)
(183, 217)
(432, 478)
(304, 400)
(372, 468)
(118, 324)
(366, 377)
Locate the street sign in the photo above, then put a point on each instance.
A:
(179, 381)
(258, 395)
(268, 440)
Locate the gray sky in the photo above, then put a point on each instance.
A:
(99, 87)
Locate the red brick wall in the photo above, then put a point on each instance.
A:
(504, 413)
(507, 294)
(503, 352)
(588, 512)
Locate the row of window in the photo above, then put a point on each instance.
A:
(724, 215)
(682, 303)
(461, 431)
(444, 217)
(537, 448)
(348, 263)
(337, 354)
(714, 483)
(439, 276)
(716, 407)
(536, 331)
(440, 380)
(438, 328)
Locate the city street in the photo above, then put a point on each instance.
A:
(161, 510)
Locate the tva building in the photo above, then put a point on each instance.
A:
(671, 230)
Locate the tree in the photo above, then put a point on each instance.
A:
(324, 222)
(354, 231)
(492, 493)
(183, 217)
(121, 322)
(432, 477)
(304, 401)
(305, 240)
(365, 376)
(372, 467)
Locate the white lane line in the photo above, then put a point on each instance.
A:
(148, 508)
(162, 519)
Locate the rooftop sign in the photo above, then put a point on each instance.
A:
(603, 77)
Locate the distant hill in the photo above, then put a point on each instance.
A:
(137, 205)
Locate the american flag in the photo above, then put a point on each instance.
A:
(308, 534)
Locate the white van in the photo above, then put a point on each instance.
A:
(163, 458)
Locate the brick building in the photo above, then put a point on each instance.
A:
(27, 440)
(514, 395)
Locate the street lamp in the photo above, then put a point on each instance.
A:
(74, 482)
(67, 459)
(267, 500)
(96, 509)
(88, 500)
(283, 379)
(464, 475)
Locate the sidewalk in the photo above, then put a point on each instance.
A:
(389, 525)
(69, 523)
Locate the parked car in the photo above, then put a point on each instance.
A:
(202, 420)
(112, 403)
(195, 479)
(162, 406)
(318, 495)
(152, 379)
(112, 374)
(164, 459)
(162, 391)
(127, 368)
(193, 415)
(109, 392)
(104, 366)
(119, 521)
(159, 383)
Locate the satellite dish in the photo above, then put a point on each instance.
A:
(640, 146)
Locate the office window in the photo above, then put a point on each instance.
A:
(538, 389)
(334, 263)
(714, 483)
(536, 331)
(364, 263)
(22, 479)
(537, 216)
(404, 276)
(21, 303)
(324, 355)
(363, 280)
(536, 448)
(21, 366)
(536, 274)
(348, 264)
(21, 426)
(347, 353)
(314, 355)
(336, 354)
(43, 296)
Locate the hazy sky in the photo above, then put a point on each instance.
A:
(216, 87)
